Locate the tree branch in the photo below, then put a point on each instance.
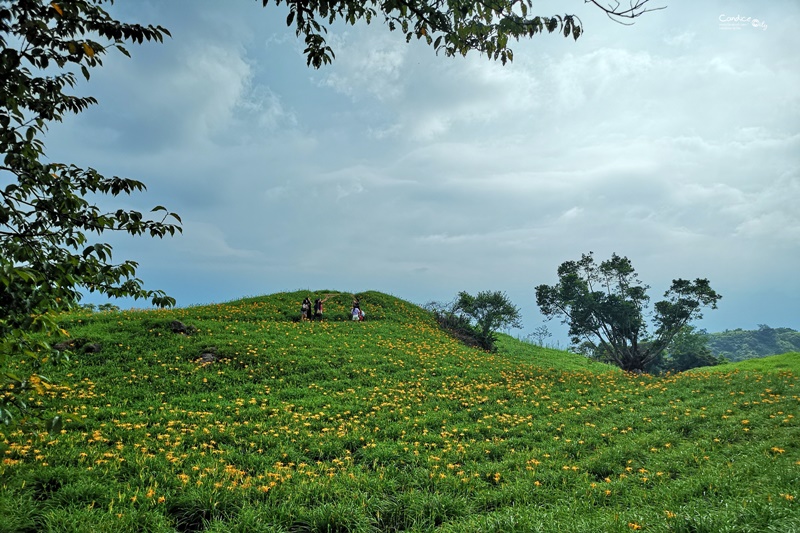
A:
(635, 9)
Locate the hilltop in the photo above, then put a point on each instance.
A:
(774, 363)
(388, 425)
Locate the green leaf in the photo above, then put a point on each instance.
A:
(13, 378)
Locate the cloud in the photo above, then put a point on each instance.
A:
(206, 242)
(371, 67)
(350, 189)
(187, 97)
(683, 39)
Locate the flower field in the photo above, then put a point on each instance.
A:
(388, 425)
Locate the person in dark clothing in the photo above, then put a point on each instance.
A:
(318, 311)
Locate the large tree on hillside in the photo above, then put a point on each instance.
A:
(605, 306)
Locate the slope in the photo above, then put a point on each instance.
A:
(387, 425)
(774, 363)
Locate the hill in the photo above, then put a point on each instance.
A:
(740, 344)
(774, 363)
(253, 421)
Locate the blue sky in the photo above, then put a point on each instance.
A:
(674, 142)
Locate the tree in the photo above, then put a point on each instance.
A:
(488, 312)
(604, 306)
(47, 214)
(453, 27)
(689, 349)
(454, 322)
(540, 335)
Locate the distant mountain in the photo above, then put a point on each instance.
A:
(742, 344)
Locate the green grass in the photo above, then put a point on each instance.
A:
(774, 363)
(390, 425)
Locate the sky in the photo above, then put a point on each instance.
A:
(674, 142)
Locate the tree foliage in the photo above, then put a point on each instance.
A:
(454, 27)
(539, 336)
(47, 216)
(742, 344)
(605, 306)
(688, 349)
(488, 312)
(475, 319)
(456, 324)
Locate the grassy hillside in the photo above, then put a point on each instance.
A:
(389, 425)
(775, 363)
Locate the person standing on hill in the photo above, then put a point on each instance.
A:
(305, 309)
(318, 306)
(356, 311)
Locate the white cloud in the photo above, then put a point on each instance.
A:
(261, 107)
(343, 191)
(368, 65)
(683, 39)
(571, 213)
